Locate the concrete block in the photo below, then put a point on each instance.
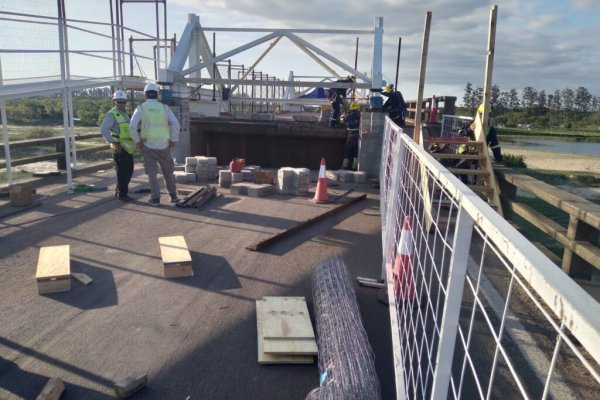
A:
(224, 178)
(239, 188)
(333, 175)
(256, 190)
(360, 177)
(52, 391)
(190, 168)
(180, 176)
(130, 385)
(345, 176)
(237, 177)
(190, 161)
(190, 177)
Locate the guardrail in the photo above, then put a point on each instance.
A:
(476, 310)
(581, 238)
(444, 105)
(58, 155)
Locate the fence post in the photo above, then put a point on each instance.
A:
(572, 264)
(61, 161)
(449, 323)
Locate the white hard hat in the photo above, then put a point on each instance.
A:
(151, 87)
(119, 95)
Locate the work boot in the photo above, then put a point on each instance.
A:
(124, 197)
(345, 163)
(154, 202)
(174, 198)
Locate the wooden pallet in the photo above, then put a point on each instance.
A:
(285, 333)
(53, 270)
(176, 258)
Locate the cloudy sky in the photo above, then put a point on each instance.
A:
(546, 44)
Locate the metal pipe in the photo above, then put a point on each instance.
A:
(355, 67)
(9, 176)
(112, 42)
(130, 55)
(157, 63)
(214, 66)
(62, 57)
(398, 63)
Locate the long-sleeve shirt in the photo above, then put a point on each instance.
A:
(174, 128)
(109, 123)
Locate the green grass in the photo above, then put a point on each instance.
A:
(533, 233)
(560, 134)
(512, 161)
(16, 175)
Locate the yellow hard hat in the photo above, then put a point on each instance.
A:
(389, 88)
(354, 106)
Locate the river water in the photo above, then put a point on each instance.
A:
(555, 146)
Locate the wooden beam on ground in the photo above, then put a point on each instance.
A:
(269, 241)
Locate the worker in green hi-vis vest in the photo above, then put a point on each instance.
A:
(115, 130)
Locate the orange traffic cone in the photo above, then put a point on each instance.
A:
(433, 112)
(404, 284)
(321, 192)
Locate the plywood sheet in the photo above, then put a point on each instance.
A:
(53, 263)
(264, 358)
(287, 319)
(291, 346)
(174, 250)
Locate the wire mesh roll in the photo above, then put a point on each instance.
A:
(346, 361)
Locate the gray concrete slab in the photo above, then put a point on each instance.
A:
(194, 336)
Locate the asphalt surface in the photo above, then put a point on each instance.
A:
(195, 337)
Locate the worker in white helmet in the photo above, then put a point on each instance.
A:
(115, 130)
(158, 133)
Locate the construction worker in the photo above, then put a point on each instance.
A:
(115, 130)
(352, 120)
(337, 97)
(394, 105)
(159, 132)
(491, 137)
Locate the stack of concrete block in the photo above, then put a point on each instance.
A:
(285, 180)
(293, 180)
(206, 168)
(224, 178)
(301, 181)
(236, 177)
(250, 173)
(190, 164)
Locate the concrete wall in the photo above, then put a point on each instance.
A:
(369, 146)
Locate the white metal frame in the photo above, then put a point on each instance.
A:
(452, 264)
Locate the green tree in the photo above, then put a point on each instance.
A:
(568, 99)
(513, 102)
(468, 96)
(529, 98)
(582, 99)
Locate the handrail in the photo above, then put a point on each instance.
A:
(580, 238)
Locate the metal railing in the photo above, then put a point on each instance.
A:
(477, 312)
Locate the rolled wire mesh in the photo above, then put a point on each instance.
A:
(346, 361)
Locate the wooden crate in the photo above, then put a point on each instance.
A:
(53, 270)
(176, 258)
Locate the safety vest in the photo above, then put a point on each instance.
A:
(155, 125)
(123, 136)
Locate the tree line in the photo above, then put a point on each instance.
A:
(89, 107)
(566, 108)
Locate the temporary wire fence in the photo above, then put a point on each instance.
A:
(346, 361)
(477, 312)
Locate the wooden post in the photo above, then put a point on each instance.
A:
(572, 264)
(424, 49)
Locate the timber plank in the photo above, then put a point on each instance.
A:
(53, 263)
(264, 358)
(287, 318)
(174, 250)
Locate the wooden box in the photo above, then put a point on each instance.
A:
(53, 270)
(176, 258)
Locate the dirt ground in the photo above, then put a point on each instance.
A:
(558, 161)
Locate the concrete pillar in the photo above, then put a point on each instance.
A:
(369, 145)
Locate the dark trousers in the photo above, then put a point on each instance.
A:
(351, 147)
(124, 168)
(397, 116)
